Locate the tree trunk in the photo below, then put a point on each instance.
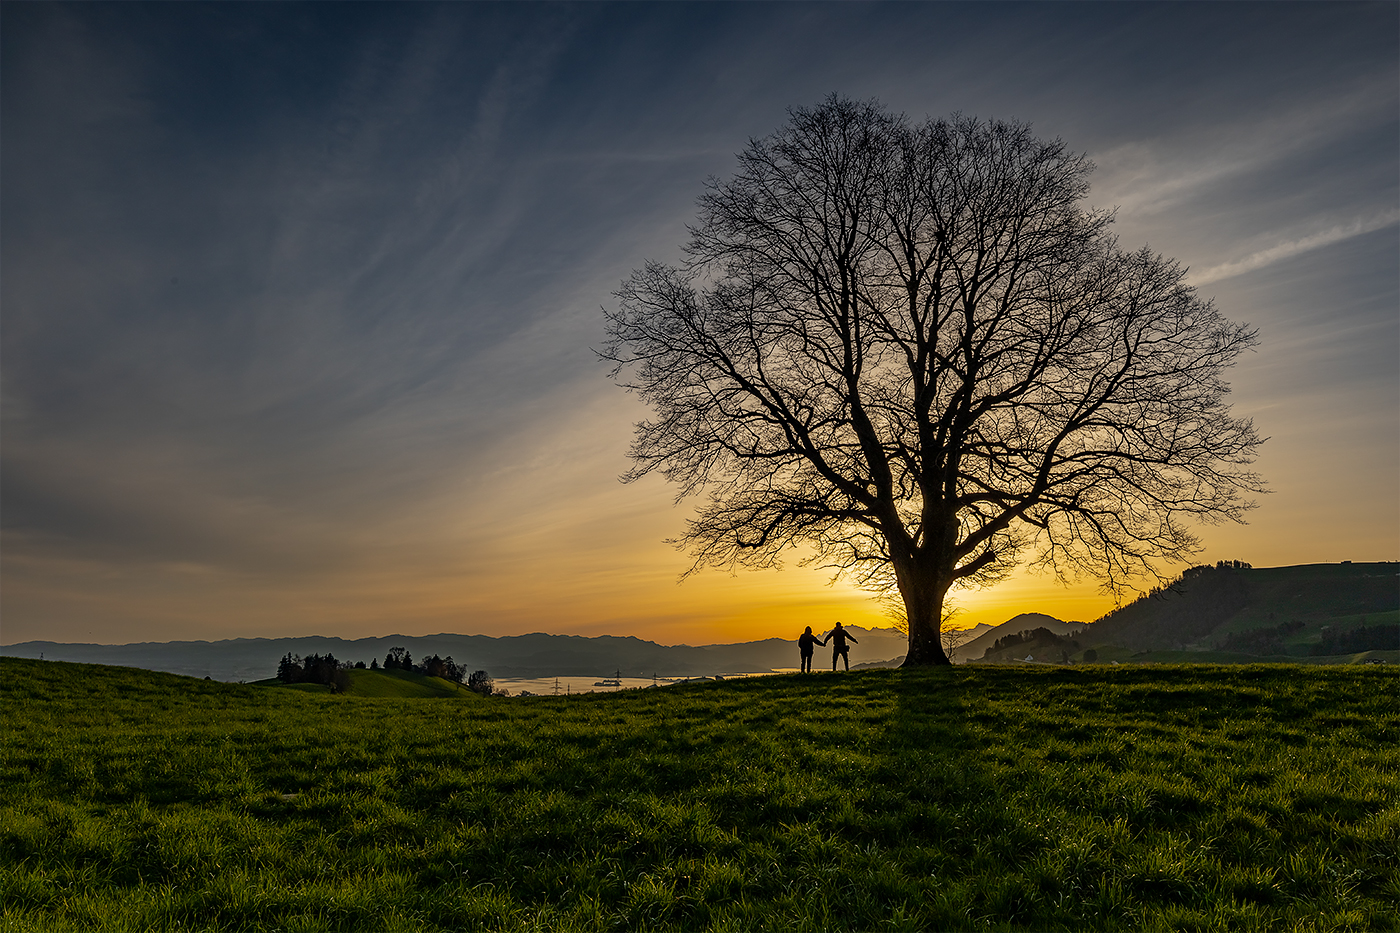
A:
(923, 596)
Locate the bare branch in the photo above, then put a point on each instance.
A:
(911, 348)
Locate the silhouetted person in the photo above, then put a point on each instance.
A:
(839, 636)
(807, 643)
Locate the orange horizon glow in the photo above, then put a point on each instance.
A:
(710, 607)
(547, 540)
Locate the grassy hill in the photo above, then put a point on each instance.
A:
(1238, 613)
(366, 683)
(986, 798)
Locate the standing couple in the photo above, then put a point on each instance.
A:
(807, 643)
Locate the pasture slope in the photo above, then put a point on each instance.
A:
(1206, 606)
(982, 798)
(381, 684)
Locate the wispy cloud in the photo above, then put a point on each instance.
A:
(1290, 248)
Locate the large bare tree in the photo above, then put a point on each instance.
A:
(910, 347)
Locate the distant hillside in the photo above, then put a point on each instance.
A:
(384, 684)
(1026, 621)
(1037, 644)
(982, 636)
(1259, 612)
(535, 655)
(1211, 613)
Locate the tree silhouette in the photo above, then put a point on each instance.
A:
(289, 669)
(481, 682)
(907, 347)
(951, 639)
(445, 668)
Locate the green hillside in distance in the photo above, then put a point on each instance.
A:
(1229, 613)
(367, 683)
(982, 647)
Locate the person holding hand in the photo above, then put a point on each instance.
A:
(840, 650)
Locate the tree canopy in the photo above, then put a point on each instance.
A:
(910, 346)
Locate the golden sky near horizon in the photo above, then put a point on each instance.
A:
(596, 563)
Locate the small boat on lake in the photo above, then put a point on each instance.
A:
(615, 681)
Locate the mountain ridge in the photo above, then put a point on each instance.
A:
(1205, 610)
(978, 646)
(535, 654)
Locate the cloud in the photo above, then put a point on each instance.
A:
(1287, 249)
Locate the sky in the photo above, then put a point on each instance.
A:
(299, 302)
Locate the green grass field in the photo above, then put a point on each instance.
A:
(365, 683)
(1115, 798)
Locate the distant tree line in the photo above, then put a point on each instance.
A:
(1382, 637)
(1039, 638)
(325, 669)
(312, 669)
(1165, 590)
(1269, 640)
(1263, 641)
(1174, 586)
(399, 659)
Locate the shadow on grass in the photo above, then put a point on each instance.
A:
(968, 851)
